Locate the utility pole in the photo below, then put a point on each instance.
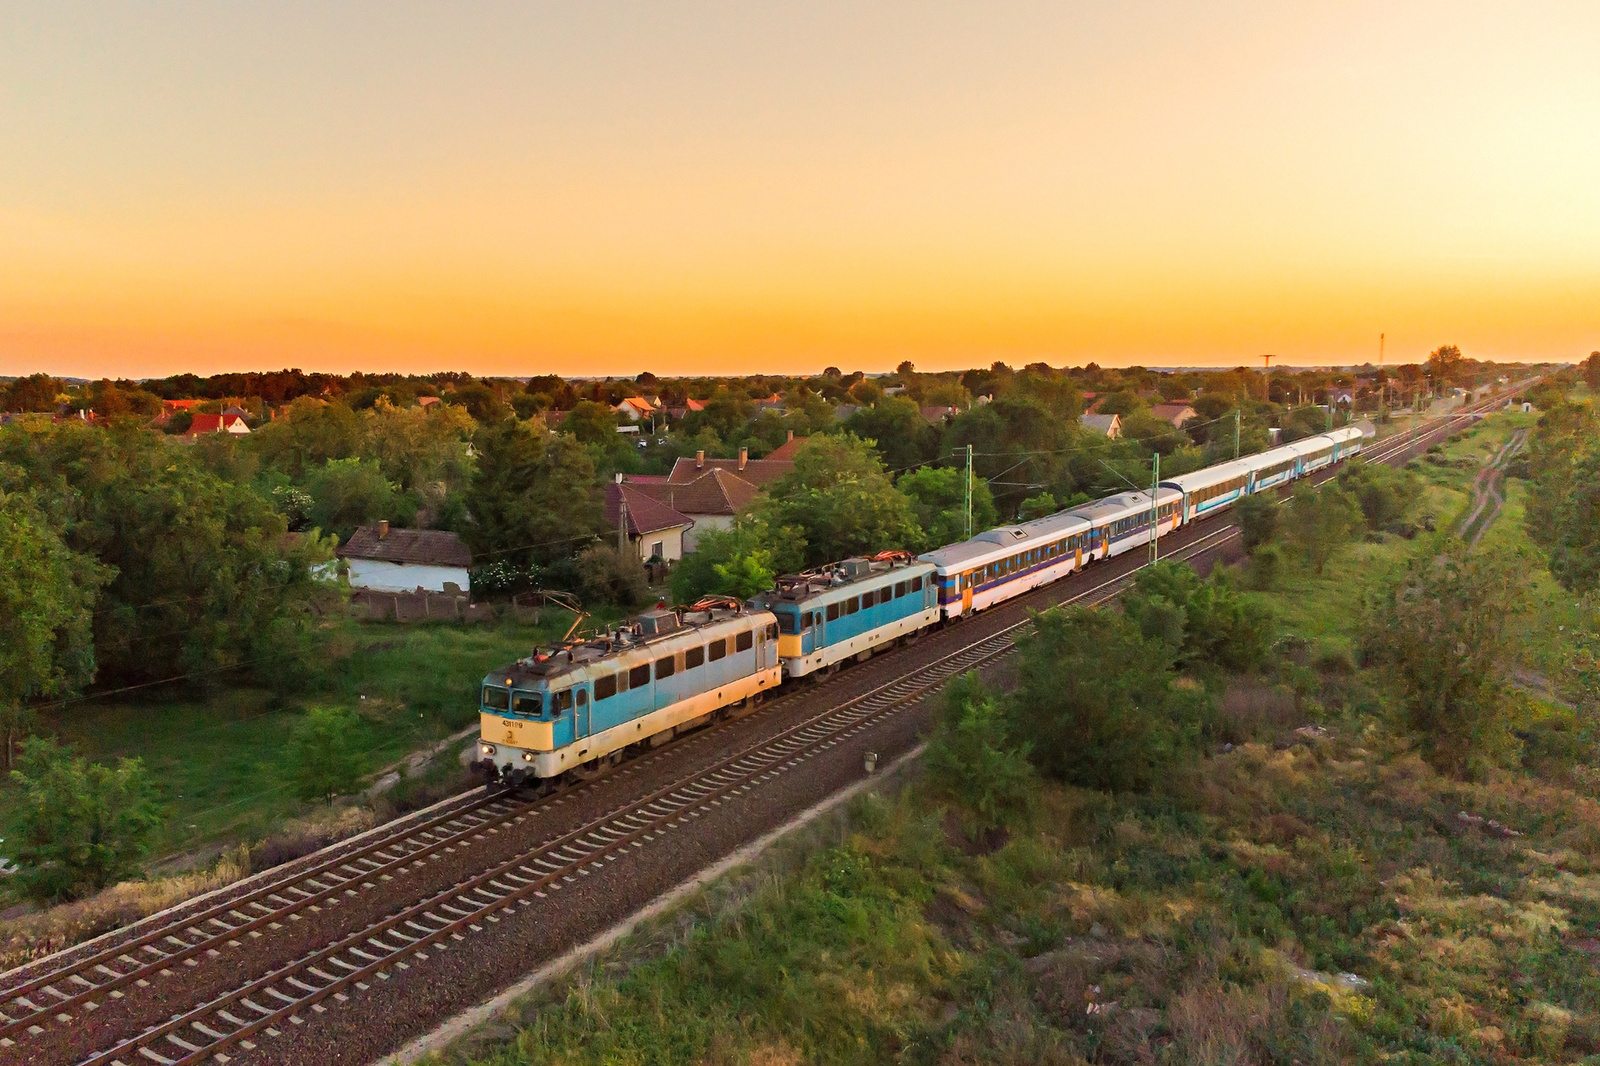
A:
(1236, 433)
(622, 519)
(969, 492)
(1155, 507)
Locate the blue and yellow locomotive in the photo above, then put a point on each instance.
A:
(579, 706)
(848, 610)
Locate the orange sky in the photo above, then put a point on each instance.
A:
(593, 189)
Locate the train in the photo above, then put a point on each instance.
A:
(581, 706)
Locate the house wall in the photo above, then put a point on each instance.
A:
(703, 522)
(671, 541)
(402, 577)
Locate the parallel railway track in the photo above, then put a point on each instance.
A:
(263, 1005)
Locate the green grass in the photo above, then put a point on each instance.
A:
(217, 759)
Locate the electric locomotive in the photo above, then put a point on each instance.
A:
(848, 610)
(577, 707)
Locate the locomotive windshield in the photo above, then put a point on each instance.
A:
(527, 704)
(496, 698)
(788, 619)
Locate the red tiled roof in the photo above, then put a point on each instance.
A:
(1176, 413)
(785, 451)
(695, 405)
(717, 491)
(213, 424)
(645, 514)
(937, 414)
(758, 472)
(426, 547)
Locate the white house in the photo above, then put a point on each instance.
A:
(404, 560)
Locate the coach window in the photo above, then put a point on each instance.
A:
(718, 649)
(694, 657)
(665, 667)
(561, 701)
(605, 687)
(639, 676)
(744, 640)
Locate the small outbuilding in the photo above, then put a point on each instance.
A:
(404, 560)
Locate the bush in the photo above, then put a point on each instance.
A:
(612, 577)
(1257, 516)
(323, 758)
(1441, 630)
(973, 759)
(84, 825)
(1267, 567)
(1321, 521)
(1203, 622)
(1382, 492)
(1098, 702)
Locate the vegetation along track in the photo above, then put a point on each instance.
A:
(1487, 499)
(348, 964)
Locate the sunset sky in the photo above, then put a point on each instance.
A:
(592, 188)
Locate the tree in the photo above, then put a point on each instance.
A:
(736, 562)
(1257, 516)
(306, 436)
(1574, 536)
(1441, 630)
(47, 596)
(1591, 371)
(1037, 507)
(323, 758)
(837, 502)
(895, 427)
(204, 580)
(83, 825)
(1444, 364)
(1321, 521)
(1383, 492)
(1099, 703)
(346, 493)
(592, 423)
(36, 392)
(533, 498)
(938, 500)
(973, 759)
(612, 577)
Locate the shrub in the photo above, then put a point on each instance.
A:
(612, 577)
(84, 825)
(973, 759)
(1321, 521)
(1441, 629)
(1098, 701)
(1203, 622)
(1382, 492)
(1257, 516)
(323, 758)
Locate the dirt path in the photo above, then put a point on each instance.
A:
(1487, 494)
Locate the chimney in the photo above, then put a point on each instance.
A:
(744, 457)
(383, 529)
(699, 459)
(791, 436)
(619, 477)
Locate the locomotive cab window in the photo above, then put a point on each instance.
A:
(561, 701)
(496, 699)
(916, 584)
(772, 631)
(745, 640)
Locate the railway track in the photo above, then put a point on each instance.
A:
(284, 996)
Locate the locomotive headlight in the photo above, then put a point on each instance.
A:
(527, 756)
(487, 749)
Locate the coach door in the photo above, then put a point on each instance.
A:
(967, 581)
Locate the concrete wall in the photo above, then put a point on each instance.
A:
(703, 522)
(671, 541)
(402, 577)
